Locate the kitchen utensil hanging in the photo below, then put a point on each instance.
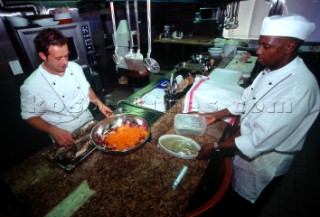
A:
(231, 15)
(235, 12)
(139, 64)
(131, 58)
(151, 64)
(116, 58)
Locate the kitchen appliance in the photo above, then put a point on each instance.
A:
(79, 42)
(211, 13)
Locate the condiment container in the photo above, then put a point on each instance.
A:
(189, 124)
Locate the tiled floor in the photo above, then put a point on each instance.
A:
(298, 194)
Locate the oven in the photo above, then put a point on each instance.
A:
(80, 44)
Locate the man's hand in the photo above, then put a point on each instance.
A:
(102, 107)
(205, 152)
(213, 117)
(210, 118)
(61, 137)
(105, 110)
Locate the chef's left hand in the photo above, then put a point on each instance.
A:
(205, 152)
(105, 110)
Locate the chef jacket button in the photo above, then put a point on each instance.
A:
(54, 83)
(243, 113)
(253, 98)
(270, 83)
(62, 96)
(78, 87)
(251, 88)
(262, 73)
(71, 73)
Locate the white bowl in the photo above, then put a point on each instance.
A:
(18, 22)
(215, 51)
(51, 23)
(180, 147)
(62, 16)
(17, 19)
(176, 35)
(45, 20)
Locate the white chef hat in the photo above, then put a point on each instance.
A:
(295, 26)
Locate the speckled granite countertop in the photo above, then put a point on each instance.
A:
(138, 184)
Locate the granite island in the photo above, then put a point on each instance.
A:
(136, 184)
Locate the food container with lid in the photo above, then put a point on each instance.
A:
(189, 124)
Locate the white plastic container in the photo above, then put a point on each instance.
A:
(230, 47)
(191, 124)
(181, 147)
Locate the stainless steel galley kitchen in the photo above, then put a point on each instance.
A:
(143, 58)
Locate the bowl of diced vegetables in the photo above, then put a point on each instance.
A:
(120, 134)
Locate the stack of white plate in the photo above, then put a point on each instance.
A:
(17, 21)
(45, 22)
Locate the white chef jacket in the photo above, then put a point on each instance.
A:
(277, 111)
(60, 100)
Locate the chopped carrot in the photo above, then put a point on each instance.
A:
(125, 137)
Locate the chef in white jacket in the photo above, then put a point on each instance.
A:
(276, 112)
(56, 96)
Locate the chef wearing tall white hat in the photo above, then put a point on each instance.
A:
(276, 111)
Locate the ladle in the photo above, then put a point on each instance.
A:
(235, 12)
(151, 64)
(116, 58)
(129, 55)
(139, 65)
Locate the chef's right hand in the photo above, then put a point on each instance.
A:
(210, 118)
(62, 137)
(205, 152)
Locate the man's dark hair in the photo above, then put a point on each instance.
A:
(48, 37)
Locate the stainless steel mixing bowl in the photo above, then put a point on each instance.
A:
(101, 130)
